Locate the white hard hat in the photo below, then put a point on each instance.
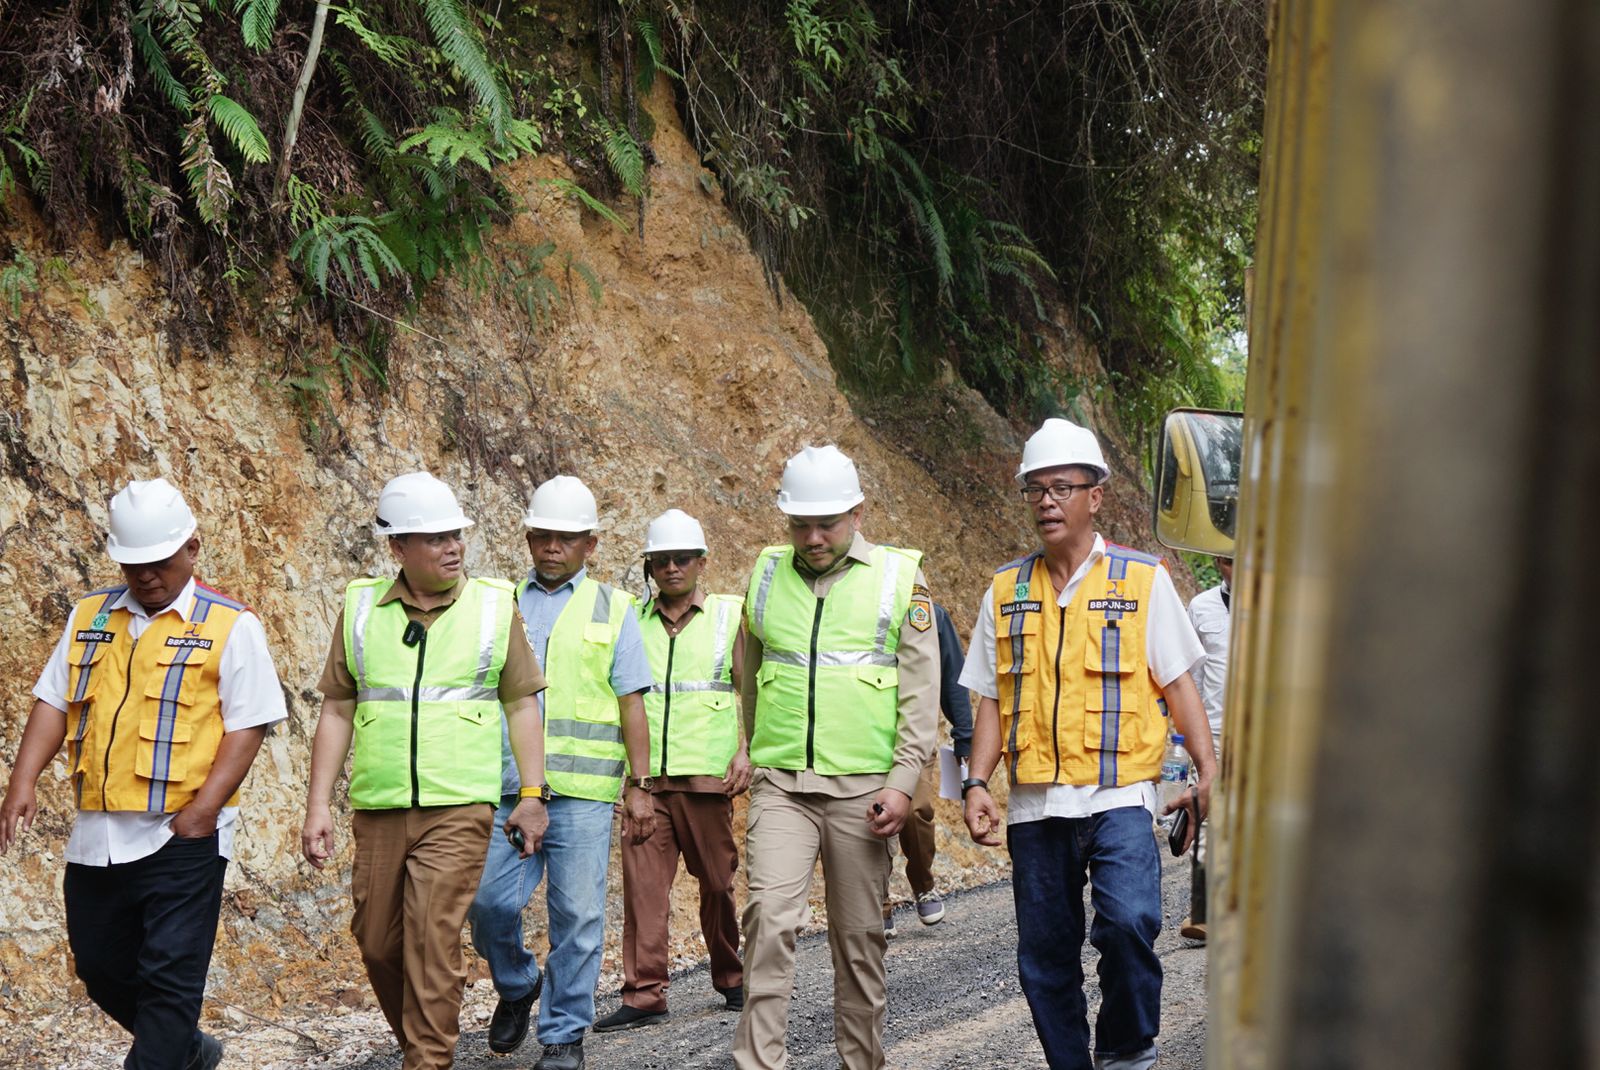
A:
(819, 481)
(150, 521)
(1061, 442)
(418, 502)
(562, 503)
(674, 530)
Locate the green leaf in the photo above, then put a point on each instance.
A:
(241, 128)
(585, 198)
(458, 39)
(256, 21)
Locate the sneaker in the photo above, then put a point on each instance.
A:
(888, 926)
(930, 908)
(1192, 930)
(561, 1057)
(508, 1026)
(733, 998)
(207, 1053)
(626, 1017)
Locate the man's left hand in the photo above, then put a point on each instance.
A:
(738, 778)
(888, 812)
(194, 822)
(531, 818)
(638, 815)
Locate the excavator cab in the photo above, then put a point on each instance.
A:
(1197, 481)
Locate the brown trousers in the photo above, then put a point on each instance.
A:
(414, 876)
(786, 833)
(916, 835)
(698, 825)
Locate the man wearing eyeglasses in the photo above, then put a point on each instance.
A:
(1080, 658)
(840, 698)
(586, 634)
(698, 763)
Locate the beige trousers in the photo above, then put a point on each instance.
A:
(414, 876)
(786, 834)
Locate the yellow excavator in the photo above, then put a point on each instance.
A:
(1407, 862)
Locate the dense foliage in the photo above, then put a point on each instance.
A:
(943, 183)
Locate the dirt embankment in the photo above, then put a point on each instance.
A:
(688, 386)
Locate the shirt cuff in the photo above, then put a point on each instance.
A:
(903, 779)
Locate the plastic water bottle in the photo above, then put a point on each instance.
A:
(1174, 779)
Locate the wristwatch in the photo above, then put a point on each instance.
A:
(973, 782)
(535, 791)
(648, 783)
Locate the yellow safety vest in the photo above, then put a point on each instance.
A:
(584, 756)
(694, 726)
(427, 718)
(145, 717)
(828, 690)
(1077, 702)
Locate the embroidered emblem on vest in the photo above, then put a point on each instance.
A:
(100, 621)
(919, 617)
(1022, 591)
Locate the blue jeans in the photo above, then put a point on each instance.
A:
(1049, 861)
(576, 854)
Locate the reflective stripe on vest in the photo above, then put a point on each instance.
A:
(145, 714)
(583, 752)
(1077, 702)
(827, 692)
(433, 742)
(694, 728)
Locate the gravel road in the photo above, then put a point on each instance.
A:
(954, 1001)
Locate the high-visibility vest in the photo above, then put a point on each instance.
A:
(828, 689)
(694, 724)
(1077, 702)
(427, 719)
(584, 756)
(144, 716)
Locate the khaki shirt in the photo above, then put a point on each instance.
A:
(697, 604)
(918, 730)
(519, 677)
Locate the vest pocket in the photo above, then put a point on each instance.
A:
(1110, 702)
(881, 677)
(1112, 646)
(178, 675)
(92, 655)
(596, 710)
(163, 749)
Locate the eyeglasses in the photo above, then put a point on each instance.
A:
(1059, 492)
(663, 560)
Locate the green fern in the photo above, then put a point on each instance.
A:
(584, 198)
(155, 59)
(460, 43)
(350, 243)
(241, 128)
(625, 157)
(652, 56)
(393, 50)
(209, 182)
(257, 19)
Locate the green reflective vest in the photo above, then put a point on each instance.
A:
(583, 753)
(827, 692)
(694, 724)
(427, 720)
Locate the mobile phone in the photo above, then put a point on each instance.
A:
(1179, 829)
(515, 836)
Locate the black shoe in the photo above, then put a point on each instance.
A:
(626, 1017)
(207, 1053)
(509, 1023)
(561, 1057)
(733, 998)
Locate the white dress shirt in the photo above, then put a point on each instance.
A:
(250, 695)
(1211, 619)
(1170, 648)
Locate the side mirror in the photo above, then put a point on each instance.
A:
(1197, 480)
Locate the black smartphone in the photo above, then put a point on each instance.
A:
(1179, 830)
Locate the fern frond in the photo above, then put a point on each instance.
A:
(155, 59)
(653, 54)
(209, 182)
(460, 43)
(625, 158)
(240, 126)
(392, 50)
(584, 198)
(257, 19)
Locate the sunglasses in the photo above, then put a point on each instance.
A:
(681, 560)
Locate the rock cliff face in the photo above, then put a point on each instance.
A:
(688, 386)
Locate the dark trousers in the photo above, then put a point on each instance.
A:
(1049, 861)
(141, 934)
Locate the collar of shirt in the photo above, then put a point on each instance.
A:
(697, 604)
(183, 605)
(1096, 552)
(401, 590)
(570, 583)
(860, 551)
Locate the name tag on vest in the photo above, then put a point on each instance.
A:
(1009, 608)
(1114, 605)
(188, 641)
(88, 636)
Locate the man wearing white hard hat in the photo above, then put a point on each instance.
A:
(698, 762)
(423, 671)
(168, 690)
(840, 697)
(587, 636)
(1081, 659)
